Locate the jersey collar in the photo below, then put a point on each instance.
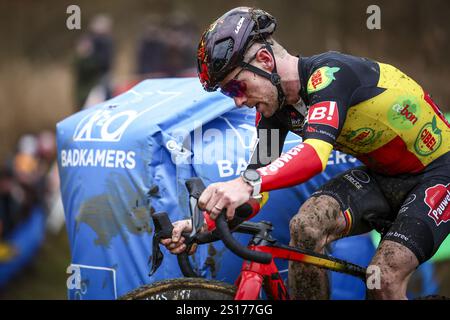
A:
(302, 72)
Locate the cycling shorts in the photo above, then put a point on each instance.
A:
(410, 209)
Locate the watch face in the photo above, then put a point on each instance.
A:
(251, 175)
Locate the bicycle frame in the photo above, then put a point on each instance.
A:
(262, 247)
(255, 276)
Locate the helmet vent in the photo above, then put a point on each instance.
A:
(222, 52)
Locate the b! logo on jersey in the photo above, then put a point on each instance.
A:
(325, 112)
(437, 199)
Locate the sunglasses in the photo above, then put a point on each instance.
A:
(234, 88)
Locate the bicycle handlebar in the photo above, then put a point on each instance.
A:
(231, 243)
(164, 229)
(195, 188)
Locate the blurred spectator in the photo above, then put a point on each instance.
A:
(46, 149)
(152, 50)
(27, 179)
(182, 45)
(11, 198)
(167, 50)
(25, 164)
(94, 54)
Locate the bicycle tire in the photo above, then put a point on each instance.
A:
(183, 289)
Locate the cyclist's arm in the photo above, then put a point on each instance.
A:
(270, 140)
(325, 119)
(296, 166)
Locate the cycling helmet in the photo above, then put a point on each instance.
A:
(223, 45)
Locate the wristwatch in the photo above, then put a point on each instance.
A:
(253, 178)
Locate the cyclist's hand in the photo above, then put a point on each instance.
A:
(230, 195)
(176, 244)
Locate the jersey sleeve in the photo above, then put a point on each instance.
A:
(330, 89)
(270, 140)
(296, 166)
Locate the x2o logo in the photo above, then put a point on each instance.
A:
(325, 113)
(109, 125)
(104, 125)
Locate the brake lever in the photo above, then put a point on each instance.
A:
(197, 220)
(163, 230)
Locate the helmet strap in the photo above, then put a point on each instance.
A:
(273, 77)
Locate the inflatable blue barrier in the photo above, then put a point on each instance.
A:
(130, 156)
(428, 284)
(24, 240)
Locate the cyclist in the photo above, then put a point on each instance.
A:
(365, 108)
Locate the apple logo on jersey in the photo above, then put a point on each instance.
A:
(325, 113)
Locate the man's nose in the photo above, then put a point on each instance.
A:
(239, 101)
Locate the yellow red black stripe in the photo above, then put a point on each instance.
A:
(348, 221)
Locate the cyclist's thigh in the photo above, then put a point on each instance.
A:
(359, 196)
(423, 223)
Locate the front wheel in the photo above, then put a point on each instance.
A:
(183, 289)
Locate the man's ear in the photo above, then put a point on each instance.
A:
(264, 57)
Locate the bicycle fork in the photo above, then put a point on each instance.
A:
(255, 276)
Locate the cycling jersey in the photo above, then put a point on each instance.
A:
(364, 108)
(410, 209)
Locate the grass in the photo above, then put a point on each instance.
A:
(46, 277)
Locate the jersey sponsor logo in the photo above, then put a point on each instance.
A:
(353, 181)
(403, 209)
(297, 123)
(437, 199)
(363, 136)
(321, 78)
(272, 168)
(410, 199)
(397, 235)
(312, 130)
(325, 112)
(361, 176)
(328, 134)
(356, 177)
(404, 114)
(429, 138)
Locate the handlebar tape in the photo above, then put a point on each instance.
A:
(234, 245)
